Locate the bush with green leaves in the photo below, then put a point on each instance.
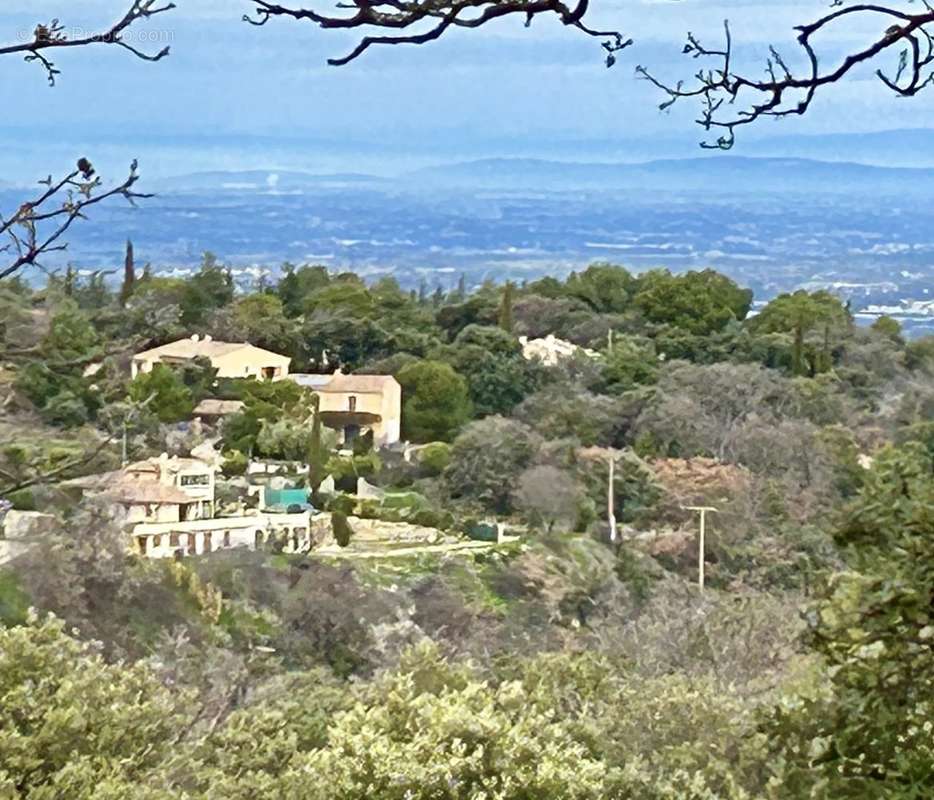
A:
(434, 458)
(164, 392)
(72, 725)
(235, 463)
(487, 459)
(341, 528)
(868, 731)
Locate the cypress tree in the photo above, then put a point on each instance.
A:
(69, 285)
(317, 457)
(505, 309)
(129, 275)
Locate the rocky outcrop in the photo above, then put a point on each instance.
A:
(20, 531)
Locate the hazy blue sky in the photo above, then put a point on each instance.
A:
(234, 96)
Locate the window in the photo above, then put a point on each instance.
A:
(226, 538)
(157, 541)
(173, 540)
(196, 480)
(207, 542)
(353, 404)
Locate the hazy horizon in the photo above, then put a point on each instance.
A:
(235, 97)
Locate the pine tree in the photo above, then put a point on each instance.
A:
(505, 308)
(129, 275)
(69, 285)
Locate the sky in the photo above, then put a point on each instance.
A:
(232, 96)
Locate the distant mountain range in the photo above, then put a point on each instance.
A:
(772, 223)
(716, 175)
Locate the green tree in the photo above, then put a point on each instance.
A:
(296, 285)
(497, 374)
(606, 288)
(435, 401)
(799, 315)
(698, 302)
(72, 725)
(129, 275)
(890, 328)
(208, 289)
(487, 460)
(505, 308)
(258, 319)
(172, 400)
(868, 734)
(629, 364)
(268, 403)
(317, 453)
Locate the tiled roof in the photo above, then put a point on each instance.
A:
(346, 384)
(194, 348)
(119, 487)
(145, 491)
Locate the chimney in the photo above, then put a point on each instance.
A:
(195, 337)
(208, 337)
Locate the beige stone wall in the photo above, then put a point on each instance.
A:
(244, 363)
(295, 531)
(388, 405)
(251, 364)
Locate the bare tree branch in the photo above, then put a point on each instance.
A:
(422, 21)
(37, 227)
(54, 36)
(16, 483)
(781, 92)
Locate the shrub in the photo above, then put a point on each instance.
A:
(341, 527)
(434, 458)
(342, 504)
(235, 463)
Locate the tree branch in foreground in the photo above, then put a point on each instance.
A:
(37, 227)
(422, 21)
(783, 93)
(54, 36)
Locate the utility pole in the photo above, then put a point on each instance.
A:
(700, 544)
(609, 342)
(610, 498)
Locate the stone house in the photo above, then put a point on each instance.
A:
(355, 404)
(168, 507)
(230, 359)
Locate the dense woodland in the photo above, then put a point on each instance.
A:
(563, 666)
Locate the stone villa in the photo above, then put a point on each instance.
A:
(353, 404)
(230, 359)
(168, 507)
